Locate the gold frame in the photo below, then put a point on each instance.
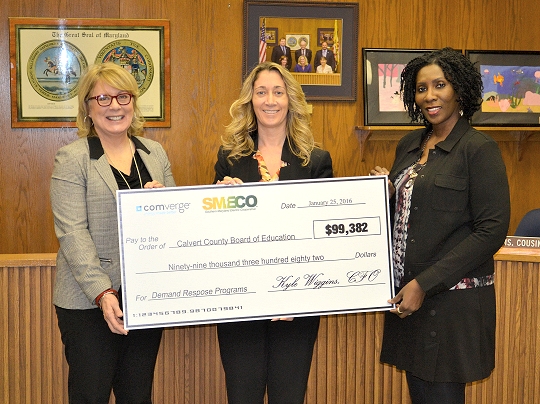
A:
(48, 98)
(341, 87)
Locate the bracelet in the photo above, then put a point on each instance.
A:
(105, 292)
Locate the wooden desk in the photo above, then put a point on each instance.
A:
(345, 368)
(320, 79)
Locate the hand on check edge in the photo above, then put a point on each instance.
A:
(230, 181)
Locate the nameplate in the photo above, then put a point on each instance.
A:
(522, 242)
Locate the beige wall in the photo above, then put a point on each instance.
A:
(206, 66)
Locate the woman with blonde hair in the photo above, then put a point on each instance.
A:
(269, 139)
(110, 155)
(302, 66)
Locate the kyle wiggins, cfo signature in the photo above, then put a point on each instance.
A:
(314, 280)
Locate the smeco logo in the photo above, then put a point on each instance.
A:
(163, 208)
(231, 202)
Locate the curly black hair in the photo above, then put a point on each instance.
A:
(465, 78)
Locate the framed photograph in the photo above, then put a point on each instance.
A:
(382, 78)
(325, 35)
(305, 17)
(49, 55)
(511, 95)
(272, 37)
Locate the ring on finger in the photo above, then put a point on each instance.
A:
(398, 310)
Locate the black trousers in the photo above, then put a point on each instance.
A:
(267, 355)
(100, 360)
(424, 392)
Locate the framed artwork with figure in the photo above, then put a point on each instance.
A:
(511, 95)
(272, 37)
(382, 78)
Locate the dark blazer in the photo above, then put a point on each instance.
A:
(308, 55)
(459, 216)
(247, 168)
(83, 198)
(277, 53)
(330, 59)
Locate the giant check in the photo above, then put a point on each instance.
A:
(209, 254)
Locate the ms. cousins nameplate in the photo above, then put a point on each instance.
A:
(210, 254)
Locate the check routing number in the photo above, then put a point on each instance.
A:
(216, 253)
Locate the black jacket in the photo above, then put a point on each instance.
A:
(247, 168)
(460, 211)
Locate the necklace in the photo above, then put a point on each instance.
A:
(413, 172)
(136, 166)
(263, 169)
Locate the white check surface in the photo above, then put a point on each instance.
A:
(209, 254)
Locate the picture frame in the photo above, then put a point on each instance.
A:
(382, 102)
(48, 56)
(272, 36)
(293, 40)
(325, 35)
(295, 17)
(511, 94)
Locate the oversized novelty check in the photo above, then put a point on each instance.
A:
(210, 254)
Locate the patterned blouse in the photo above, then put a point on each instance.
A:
(401, 223)
(263, 169)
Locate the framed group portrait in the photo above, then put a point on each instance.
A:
(48, 57)
(325, 35)
(511, 94)
(272, 36)
(297, 20)
(383, 105)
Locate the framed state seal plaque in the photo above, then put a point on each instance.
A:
(48, 56)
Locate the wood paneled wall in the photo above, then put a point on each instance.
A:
(206, 66)
(345, 367)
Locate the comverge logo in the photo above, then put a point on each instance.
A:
(163, 208)
(231, 202)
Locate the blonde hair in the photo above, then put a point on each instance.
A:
(237, 137)
(117, 77)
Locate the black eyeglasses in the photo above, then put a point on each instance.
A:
(104, 100)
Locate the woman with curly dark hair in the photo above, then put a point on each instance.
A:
(450, 209)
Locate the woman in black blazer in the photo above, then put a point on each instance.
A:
(450, 210)
(269, 139)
